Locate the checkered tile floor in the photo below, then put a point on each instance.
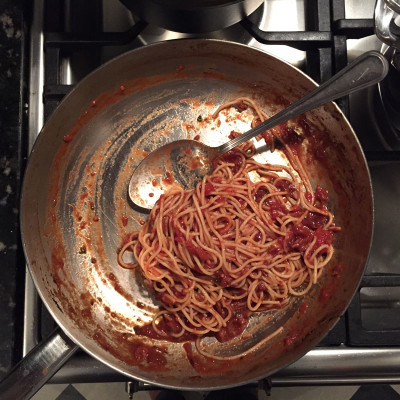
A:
(111, 391)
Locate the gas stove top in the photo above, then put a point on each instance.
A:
(69, 39)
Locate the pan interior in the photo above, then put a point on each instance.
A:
(83, 161)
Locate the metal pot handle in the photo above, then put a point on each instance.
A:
(37, 367)
(386, 12)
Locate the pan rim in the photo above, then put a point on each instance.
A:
(23, 221)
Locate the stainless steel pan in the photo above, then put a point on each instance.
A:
(75, 211)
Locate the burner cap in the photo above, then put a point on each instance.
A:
(192, 16)
(234, 33)
(386, 108)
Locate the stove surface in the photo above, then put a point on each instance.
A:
(356, 349)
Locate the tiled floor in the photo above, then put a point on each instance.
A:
(110, 391)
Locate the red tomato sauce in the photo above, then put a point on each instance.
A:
(208, 189)
(195, 163)
(292, 338)
(235, 325)
(169, 179)
(325, 295)
(337, 270)
(194, 250)
(303, 308)
(133, 351)
(233, 157)
(206, 365)
(168, 328)
(315, 220)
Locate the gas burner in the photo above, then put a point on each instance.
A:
(193, 16)
(386, 106)
(385, 99)
(234, 33)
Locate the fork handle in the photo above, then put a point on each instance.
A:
(364, 71)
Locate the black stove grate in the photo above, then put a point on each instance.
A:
(324, 42)
(358, 335)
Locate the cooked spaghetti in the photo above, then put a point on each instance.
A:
(247, 238)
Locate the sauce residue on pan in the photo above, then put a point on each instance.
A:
(207, 366)
(118, 288)
(128, 347)
(168, 179)
(133, 351)
(195, 163)
(168, 328)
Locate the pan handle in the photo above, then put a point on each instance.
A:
(37, 367)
